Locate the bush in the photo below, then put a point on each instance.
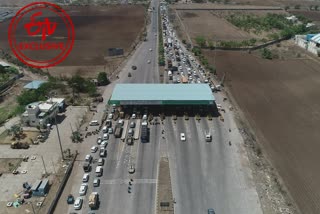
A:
(201, 41)
(266, 53)
(102, 78)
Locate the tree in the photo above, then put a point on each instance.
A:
(15, 131)
(184, 41)
(316, 7)
(103, 79)
(286, 8)
(201, 41)
(76, 137)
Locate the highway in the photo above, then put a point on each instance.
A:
(203, 175)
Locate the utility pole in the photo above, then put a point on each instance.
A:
(59, 138)
(44, 166)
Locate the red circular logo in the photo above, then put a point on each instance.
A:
(41, 34)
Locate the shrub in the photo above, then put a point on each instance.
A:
(266, 53)
(201, 41)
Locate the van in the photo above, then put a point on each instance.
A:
(94, 123)
(99, 171)
(85, 178)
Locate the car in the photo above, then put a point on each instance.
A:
(78, 203)
(103, 153)
(94, 149)
(88, 158)
(110, 116)
(99, 140)
(83, 189)
(104, 144)
(182, 137)
(105, 136)
(110, 131)
(94, 123)
(100, 162)
(148, 61)
(85, 178)
(130, 132)
(96, 182)
(150, 49)
(104, 130)
(206, 81)
(144, 117)
(70, 199)
(211, 211)
(133, 116)
(134, 67)
(132, 124)
(121, 122)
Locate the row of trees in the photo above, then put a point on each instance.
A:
(204, 61)
(77, 83)
(161, 47)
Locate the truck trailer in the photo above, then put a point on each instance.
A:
(93, 200)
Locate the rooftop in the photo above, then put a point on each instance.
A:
(316, 38)
(4, 64)
(34, 84)
(162, 94)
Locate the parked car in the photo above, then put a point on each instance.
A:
(104, 144)
(78, 203)
(105, 136)
(96, 182)
(88, 158)
(94, 123)
(211, 211)
(83, 189)
(85, 177)
(110, 131)
(94, 149)
(100, 162)
(70, 199)
(130, 133)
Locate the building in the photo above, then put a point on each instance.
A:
(309, 42)
(34, 84)
(42, 113)
(163, 97)
(4, 64)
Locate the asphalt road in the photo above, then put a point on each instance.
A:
(113, 191)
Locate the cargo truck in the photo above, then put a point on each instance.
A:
(118, 131)
(93, 200)
(144, 132)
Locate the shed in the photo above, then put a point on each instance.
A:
(44, 186)
(35, 186)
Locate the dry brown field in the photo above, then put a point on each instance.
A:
(97, 28)
(280, 100)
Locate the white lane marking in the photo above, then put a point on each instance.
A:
(126, 181)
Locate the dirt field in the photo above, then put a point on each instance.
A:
(97, 28)
(7, 165)
(213, 24)
(279, 98)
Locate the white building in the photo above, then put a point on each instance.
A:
(42, 113)
(310, 42)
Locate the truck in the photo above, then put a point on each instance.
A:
(170, 75)
(19, 145)
(118, 131)
(93, 200)
(144, 132)
(184, 79)
(208, 137)
(174, 66)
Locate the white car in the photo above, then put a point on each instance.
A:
(110, 116)
(150, 49)
(182, 137)
(94, 149)
(133, 116)
(104, 144)
(99, 140)
(78, 203)
(105, 136)
(148, 61)
(83, 189)
(88, 158)
(144, 117)
(85, 177)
